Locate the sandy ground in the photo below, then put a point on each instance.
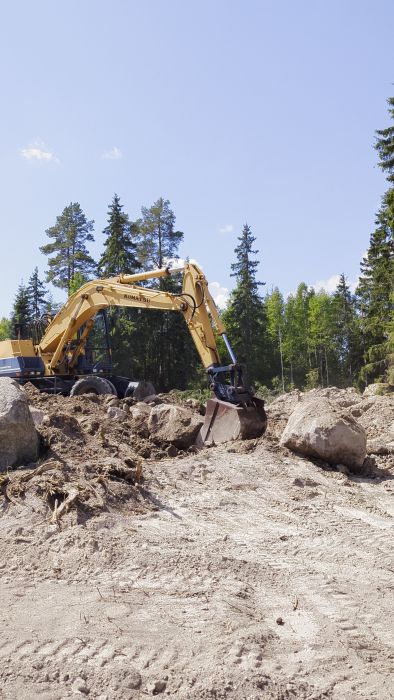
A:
(249, 574)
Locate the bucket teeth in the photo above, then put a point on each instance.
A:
(225, 422)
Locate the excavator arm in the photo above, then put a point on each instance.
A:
(194, 302)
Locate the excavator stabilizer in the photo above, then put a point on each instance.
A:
(225, 422)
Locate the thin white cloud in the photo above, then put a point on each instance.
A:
(38, 151)
(227, 228)
(220, 294)
(330, 284)
(113, 154)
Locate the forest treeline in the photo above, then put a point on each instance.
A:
(307, 339)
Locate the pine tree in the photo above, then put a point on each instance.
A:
(385, 145)
(68, 253)
(20, 315)
(120, 245)
(37, 293)
(159, 239)
(375, 289)
(245, 316)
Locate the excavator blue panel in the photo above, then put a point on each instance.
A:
(21, 367)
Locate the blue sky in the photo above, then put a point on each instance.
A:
(254, 111)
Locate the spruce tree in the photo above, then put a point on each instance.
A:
(120, 245)
(37, 294)
(20, 315)
(245, 316)
(67, 253)
(120, 257)
(347, 332)
(375, 289)
(385, 145)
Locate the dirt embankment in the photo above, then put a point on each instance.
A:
(93, 452)
(242, 572)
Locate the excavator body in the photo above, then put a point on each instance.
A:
(61, 361)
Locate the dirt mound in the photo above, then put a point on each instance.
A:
(93, 455)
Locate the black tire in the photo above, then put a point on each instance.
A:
(91, 384)
(111, 386)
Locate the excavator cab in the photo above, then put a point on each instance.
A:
(97, 356)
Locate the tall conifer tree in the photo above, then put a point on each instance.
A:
(159, 238)
(37, 293)
(385, 145)
(375, 291)
(120, 245)
(67, 253)
(347, 332)
(20, 316)
(120, 257)
(245, 315)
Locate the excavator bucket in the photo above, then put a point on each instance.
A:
(225, 422)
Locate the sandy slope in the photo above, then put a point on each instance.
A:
(185, 599)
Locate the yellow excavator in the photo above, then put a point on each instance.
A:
(63, 362)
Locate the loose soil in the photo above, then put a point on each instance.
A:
(240, 572)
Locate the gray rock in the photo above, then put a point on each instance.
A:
(169, 423)
(156, 688)
(117, 413)
(152, 399)
(80, 686)
(38, 416)
(18, 436)
(317, 428)
(140, 410)
(133, 680)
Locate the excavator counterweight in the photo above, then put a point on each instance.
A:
(59, 362)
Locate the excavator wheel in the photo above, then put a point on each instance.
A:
(111, 386)
(92, 385)
(225, 422)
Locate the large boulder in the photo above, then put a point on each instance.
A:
(318, 428)
(18, 436)
(172, 424)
